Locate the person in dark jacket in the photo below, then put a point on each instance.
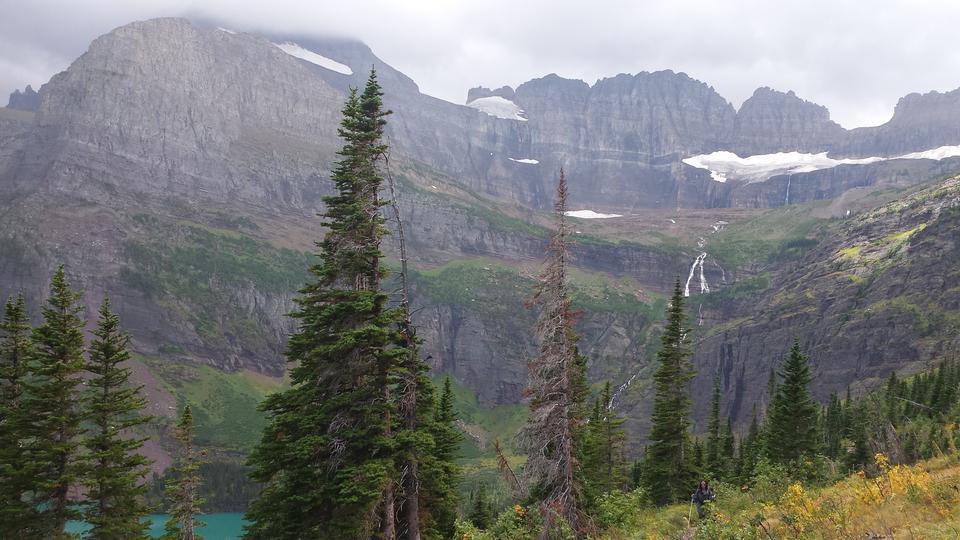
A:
(703, 494)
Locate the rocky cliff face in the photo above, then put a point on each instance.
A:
(878, 294)
(771, 121)
(920, 122)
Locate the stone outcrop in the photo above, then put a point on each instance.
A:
(771, 121)
(28, 100)
(480, 92)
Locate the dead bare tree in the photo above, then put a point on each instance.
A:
(548, 436)
(408, 399)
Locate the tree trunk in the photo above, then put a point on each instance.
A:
(413, 500)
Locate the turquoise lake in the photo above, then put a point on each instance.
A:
(226, 526)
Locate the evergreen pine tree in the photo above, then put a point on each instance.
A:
(728, 449)
(329, 454)
(481, 508)
(115, 507)
(603, 462)
(833, 428)
(668, 477)
(937, 392)
(750, 449)
(556, 386)
(793, 420)
(53, 402)
(184, 485)
(698, 461)
(712, 459)
(892, 400)
(771, 391)
(439, 470)
(17, 515)
(860, 454)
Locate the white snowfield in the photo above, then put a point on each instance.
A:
(725, 165)
(305, 54)
(528, 161)
(499, 107)
(589, 214)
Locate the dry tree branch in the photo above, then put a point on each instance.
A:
(516, 486)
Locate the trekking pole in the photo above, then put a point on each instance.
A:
(689, 513)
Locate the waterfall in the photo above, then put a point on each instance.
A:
(622, 387)
(787, 199)
(704, 286)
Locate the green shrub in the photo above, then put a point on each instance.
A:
(620, 509)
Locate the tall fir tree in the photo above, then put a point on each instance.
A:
(328, 456)
(439, 471)
(54, 404)
(481, 507)
(184, 485)
(713, 461)
(17, 514)
(604, 459)
(833, 428)
(750, 449)
(556, 382)
(114, 469)
(792, 430)
(857, 431)
(728, 450)
(668, 476)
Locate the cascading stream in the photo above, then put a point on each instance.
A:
(697, 263)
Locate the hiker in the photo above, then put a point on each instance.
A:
(703, 494)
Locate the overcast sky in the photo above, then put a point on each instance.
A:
(855, 57)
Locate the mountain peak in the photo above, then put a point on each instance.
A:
(478, 92)
(27, 100)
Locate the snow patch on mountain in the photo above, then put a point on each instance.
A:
(525, 160)
(499, 107)
(725, 165)
(589, 214)
(305, 54)
(936, 154)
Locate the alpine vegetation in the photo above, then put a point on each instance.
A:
(69, 448)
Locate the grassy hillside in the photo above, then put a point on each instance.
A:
(920, 501)
(224, 404)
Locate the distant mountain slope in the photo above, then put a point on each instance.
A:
(180, 167)
(880, 292)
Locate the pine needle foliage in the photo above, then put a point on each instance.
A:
(54, 404)
(184, 486)
(668, 474)
(603, 448)
(329, 455)
(17, 514)
(114, 468)
(793, 420)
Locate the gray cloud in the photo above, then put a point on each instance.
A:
(857, 58)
